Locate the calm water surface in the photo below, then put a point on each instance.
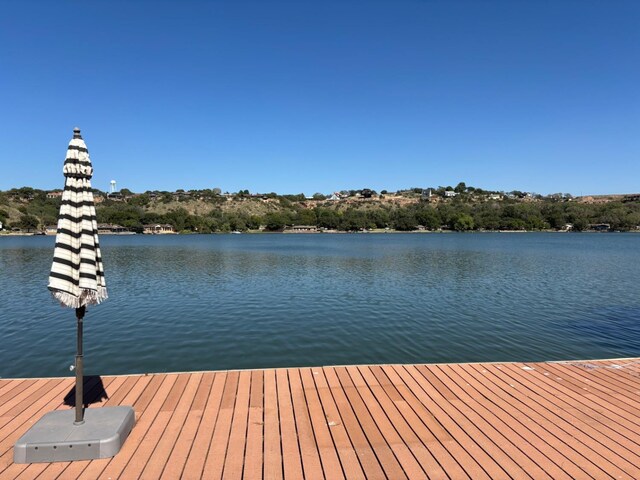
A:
(208, 302)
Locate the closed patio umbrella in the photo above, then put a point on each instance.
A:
(77, 276)
(77, 280)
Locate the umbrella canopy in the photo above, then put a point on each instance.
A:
(77, 276)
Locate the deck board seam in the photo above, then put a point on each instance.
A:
(603, 393)
(517, 408)
(322, 419)
(413, 406)
(178, 388)
(236, 381)
(455, 438)
(376, 402)
(412, 427)
(314, 378)
(443, 421)
(313, 430)
(469, 413)
(550, 418)
(182, 423)
(351, 413)
(171, 381)
(604, 407)
(563, 425)
(601, 428)
(483, 409)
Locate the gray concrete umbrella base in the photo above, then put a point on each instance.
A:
(55, 437)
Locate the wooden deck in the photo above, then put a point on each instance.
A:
(481, 421)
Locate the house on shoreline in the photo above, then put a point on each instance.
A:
(111, 229)
(301, 229)
(158, 229)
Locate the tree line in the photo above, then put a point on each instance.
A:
(459, 214)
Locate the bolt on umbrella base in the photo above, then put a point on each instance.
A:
(55, 437)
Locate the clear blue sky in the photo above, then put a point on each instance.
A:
(320, 96)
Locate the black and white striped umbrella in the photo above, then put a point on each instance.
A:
(76, 280)
(77, 277)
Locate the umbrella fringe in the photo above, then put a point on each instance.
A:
(87, 297)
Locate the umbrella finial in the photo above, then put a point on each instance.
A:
(76, 133)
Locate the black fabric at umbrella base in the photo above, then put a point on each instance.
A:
(55, 438)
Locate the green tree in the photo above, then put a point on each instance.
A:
(29, 222)
(353, 220)
(427, 216)
(327, 218)
(275, 222)
(460, 188)
(404, 220)
(463, 222)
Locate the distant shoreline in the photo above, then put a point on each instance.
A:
(332, 232)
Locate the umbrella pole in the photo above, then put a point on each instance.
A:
(79, 370)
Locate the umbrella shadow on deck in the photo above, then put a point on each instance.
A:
(93, 392)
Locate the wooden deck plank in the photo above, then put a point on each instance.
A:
(368, 460)
(234, 460)
(214, 462)
(591, 385)
(115, 388)
(546, 423)
(391, 402)
(588, 414)
(370, 454)
(291, 459)
(198, 454)
(95, 468)
(272, 445)
(560, 463)
(309, 453)
(146, 408)
(16, 426)
(602, 410)
(178, 457)
(11, 386)
(472, 458)
(619, 374)
(326, 447)
(624, 373)
(466, 421)
(167, 442)
(565, 426)
(404, 455)
(516, 453)
(346, 453)
(22, 389)
(23, 400)
(150, 444)
(253, 452)
(110, 387)
(426, 427)
(598, 388)
(37, 470)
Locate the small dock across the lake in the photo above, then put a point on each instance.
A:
(566, 420)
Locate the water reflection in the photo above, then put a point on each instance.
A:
(209, 302)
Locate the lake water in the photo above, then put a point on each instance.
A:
(208, 302)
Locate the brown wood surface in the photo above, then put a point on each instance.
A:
(565, 420)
